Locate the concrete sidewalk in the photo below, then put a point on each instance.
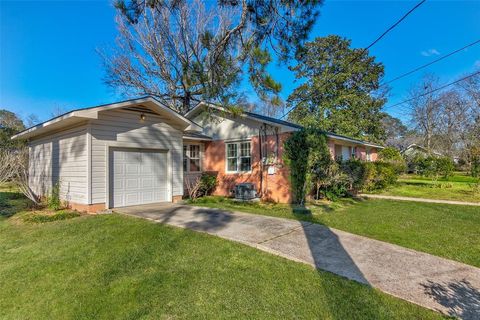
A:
(436, 283)
(379, 196)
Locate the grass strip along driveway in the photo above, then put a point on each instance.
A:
(117, 267)
(456, 188)
(448, 231)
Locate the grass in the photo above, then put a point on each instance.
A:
(458, 188)
(449, 231)
(118, 267)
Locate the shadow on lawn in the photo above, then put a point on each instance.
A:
(310, 242)
(460, 298)
(329, 254)
(11, 203)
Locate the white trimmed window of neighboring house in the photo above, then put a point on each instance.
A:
(239, 157)
(191, 158)
(354, 152)
(369, 157)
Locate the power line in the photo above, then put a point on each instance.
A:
(430, 63)
(374, 42)
(393, 26)
(434, 90)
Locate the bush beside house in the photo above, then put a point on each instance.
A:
(315, 174)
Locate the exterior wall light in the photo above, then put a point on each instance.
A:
(142, 117)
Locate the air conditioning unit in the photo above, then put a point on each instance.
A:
(245, 191)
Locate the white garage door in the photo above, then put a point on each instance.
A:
(139, 177)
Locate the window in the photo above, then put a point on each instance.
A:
(191, 158)
(369, 158)
(194, 158)
(239, 158)
(185, 159)
(232, 157)
(354, 152)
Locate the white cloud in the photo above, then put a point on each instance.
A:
(430, 52)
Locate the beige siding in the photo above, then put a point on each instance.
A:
(118, 127)
(62, 158)
(224, 128)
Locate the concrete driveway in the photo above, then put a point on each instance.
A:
(447, 286)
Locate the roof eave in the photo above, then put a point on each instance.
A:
(92, 113)
(200, 105)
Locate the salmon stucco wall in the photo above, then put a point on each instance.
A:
(273, 184)
(361, 153)
(274, 187)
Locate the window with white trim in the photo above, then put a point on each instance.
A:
(191, 158)
(239, 157)
(369, 157)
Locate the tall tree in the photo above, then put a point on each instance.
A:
(454, 122)
(183, 51)
(426, 110)
(10, 124)
(471, 89)
(395, 131)
(336, 94)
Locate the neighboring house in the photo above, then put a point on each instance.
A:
(140, 151)
(415, 150)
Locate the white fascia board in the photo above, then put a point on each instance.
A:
(353, 141)
(92, 113)
(56, 123)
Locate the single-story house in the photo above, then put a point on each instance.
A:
(140, 151)
(415, 150)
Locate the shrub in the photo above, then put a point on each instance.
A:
(355, 170)
(201, 186)
(208, 182)
(369, 175)
(53, 200)
(475, 167)
(335, 191)
(436, 166)
(296, 157)
(386, 175)
(313, 171)
(393, 156)
(445, 167)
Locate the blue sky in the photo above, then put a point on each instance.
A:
(48, 58)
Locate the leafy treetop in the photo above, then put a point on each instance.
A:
(338, 93)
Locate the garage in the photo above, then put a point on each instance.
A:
(139, 177)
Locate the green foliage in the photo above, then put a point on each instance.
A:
(313, 171)
(42, 218)
(53, 200)
(393, 156)
(434, 167)
(208, 182)
(475, 165)
(10, 124)
(355, 169)
(370, 176)
(336, 95)
(445, 166)
(296, 152)
(385, 175)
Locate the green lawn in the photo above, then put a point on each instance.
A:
(448, 231)
(458, 187)
(118, 267)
